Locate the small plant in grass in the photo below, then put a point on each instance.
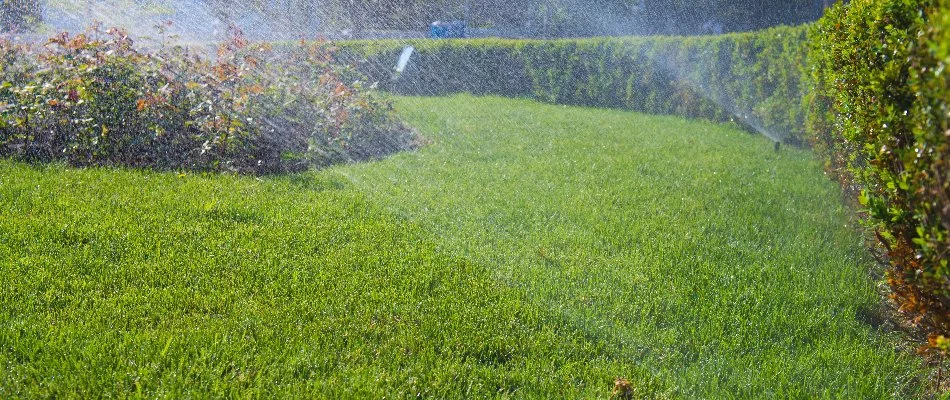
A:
(623, 389)
(95, 99)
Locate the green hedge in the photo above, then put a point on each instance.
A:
(879, 110)
(754, 78)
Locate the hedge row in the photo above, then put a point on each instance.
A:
(880, 106)
(753, 78)
(94, 99)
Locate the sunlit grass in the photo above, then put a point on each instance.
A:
(529, 251)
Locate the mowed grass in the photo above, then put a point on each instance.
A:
(528, 251)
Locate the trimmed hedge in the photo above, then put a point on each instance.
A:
(753, 78)
(879, 112)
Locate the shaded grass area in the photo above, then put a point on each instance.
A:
(529, 251)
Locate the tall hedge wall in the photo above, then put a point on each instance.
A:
(879, 110)
(754, 78)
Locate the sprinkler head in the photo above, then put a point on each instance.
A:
(777, 146)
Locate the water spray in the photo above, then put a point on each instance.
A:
(740, 114)
(403, 61)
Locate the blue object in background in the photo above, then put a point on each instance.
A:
(447, 30)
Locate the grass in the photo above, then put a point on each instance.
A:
(529, 251)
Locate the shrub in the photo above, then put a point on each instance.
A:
(16, 69)
(929, 172)
(754, 78)
(94, 99)
(879, 115)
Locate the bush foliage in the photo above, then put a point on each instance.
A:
(754, 78)
(879, 112)
(94, 99)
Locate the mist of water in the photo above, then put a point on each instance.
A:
(683, 73)
(404, 59)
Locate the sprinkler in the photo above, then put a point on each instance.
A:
(778, 145)
(404, 60)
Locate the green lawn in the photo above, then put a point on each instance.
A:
(527, 251)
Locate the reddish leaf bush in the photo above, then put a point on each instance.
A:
(95, 99)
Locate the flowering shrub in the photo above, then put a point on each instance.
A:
(95, 99)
